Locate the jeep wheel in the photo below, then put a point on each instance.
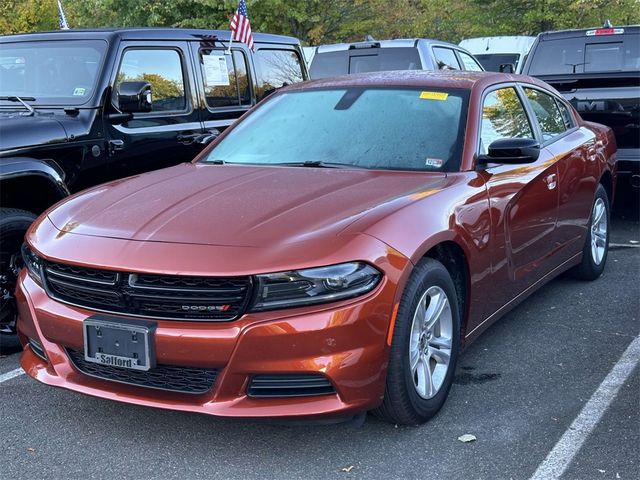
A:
(13, 225)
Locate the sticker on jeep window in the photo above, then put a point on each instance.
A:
(434, 95)
(79, 91)
(215, 70)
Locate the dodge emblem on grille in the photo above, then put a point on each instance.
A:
(206, 308)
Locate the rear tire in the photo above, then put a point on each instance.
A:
(422, 361)
(596, 245)
(13, 225)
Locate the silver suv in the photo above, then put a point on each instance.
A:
(402, 54)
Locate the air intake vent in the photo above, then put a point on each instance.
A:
(162, 377)
(36, 347)
(290, 385)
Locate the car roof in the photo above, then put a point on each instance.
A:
(633, 29)
(144, 33)
(417, 79)
(500, 44)
(395, 43)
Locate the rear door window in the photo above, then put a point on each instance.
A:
(446, 58)
(275, 69)
(162, 69)
(567, 118)
(225, 78)
(547, 113)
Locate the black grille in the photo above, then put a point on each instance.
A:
(147, 295)
(162, 377)
(289, 385)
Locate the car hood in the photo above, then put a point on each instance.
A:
(236, 205)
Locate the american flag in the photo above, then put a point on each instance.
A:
(240, 26)
(62, 20)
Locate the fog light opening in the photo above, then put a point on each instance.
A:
(36, 347)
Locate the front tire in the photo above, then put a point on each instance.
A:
(13, 225)
(596, 245)
(425, 347)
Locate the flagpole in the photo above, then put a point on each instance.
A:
(228, 51)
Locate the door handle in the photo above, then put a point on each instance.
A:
(551, 181)
(115, 146)
(188, 138)
(200, 138)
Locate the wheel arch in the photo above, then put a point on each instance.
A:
(30, 184)
(452, 255)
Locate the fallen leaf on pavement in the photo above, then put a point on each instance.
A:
(467, 437)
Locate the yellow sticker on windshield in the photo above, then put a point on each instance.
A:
(434, 95)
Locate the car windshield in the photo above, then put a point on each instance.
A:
(60, 72)
(491, 61)
(375, 128)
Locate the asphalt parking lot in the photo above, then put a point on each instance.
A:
(539, 388)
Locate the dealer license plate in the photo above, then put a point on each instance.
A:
(121, 343)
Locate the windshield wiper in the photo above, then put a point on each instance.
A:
(317, 164)
(22, 101)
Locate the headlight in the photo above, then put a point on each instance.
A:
(33, 263)
(314, 285)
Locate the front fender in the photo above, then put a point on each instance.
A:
(17, 167)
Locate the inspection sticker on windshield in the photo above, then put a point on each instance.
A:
(79, 91)
(434, 95)
(433, 162)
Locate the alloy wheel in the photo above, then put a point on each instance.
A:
(431, 342)
(598, 231)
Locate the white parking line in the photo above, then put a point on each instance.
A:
(563, 452)
(12, 374)
(624, 245)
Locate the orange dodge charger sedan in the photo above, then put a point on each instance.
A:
(329, 254)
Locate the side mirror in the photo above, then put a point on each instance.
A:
(507, 68)
(134, 97)
(512, 151)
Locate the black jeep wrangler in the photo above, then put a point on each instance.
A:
(80, 107)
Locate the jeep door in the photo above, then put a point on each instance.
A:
(225, 84)
(167, 134)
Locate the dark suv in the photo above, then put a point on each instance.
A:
(384, 55)
(81, 107)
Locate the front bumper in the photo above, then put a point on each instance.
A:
(345, 342)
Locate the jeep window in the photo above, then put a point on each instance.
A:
(53, 72)
(446, 59)
(225, 78)
(331, 64)
(162, 69)
(275, 69)
(580, 55)
(469, 62)
(503, 116)
(546, 111)
(383, 128)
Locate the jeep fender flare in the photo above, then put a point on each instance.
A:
(17, 167)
